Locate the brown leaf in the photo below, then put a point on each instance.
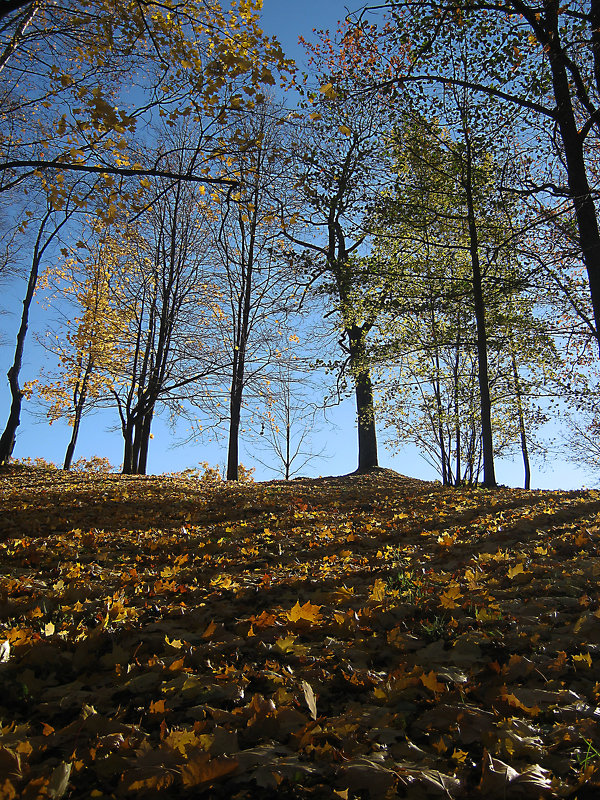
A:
(204, 770)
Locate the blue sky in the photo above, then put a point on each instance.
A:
(288, 19)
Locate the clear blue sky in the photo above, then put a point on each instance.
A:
(287, 19)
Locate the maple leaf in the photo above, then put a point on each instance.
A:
(307, 611)
(450, 596)
(431, 682)
(203, 769)
(516, 570)
(378, 590)
(582, 659)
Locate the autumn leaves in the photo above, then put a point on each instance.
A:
(246, 639)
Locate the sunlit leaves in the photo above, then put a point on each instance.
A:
(147, 641)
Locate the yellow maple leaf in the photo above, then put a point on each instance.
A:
(181, 741)
(459, 755)
(581, 539)
(328, 90)
(431, 682)
(516, 570)
(450, 596)
(446, 539)
(378, 590)
(308, 612)
(514, 701)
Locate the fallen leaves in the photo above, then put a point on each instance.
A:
(336, 637)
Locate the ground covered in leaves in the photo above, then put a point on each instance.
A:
(366, 636)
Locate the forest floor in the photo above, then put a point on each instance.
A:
(356, 637)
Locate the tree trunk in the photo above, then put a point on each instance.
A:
(489, 477)
(367, 435)
(79, 398)
(235, 407)
(128, 465)
(8, 438)
(73, 441)
(573, 143)
(145, 441)
(288, 460)
(522, 431)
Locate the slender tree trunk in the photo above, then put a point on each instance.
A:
(457, 437)
(367, 434)
(489, 476)
(74, 434)
(522, 430)
(79, 398)
(442, 439)
(8, 438)
(288, 459)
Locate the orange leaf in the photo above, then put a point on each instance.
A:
(203, 769)
(431, 682)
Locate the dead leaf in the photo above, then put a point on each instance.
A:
(310, 698)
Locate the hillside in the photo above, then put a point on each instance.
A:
(348, 637)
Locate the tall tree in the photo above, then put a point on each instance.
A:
(341, 165)
(87, 348)
(541, 60)
(448, 218)
(49, 226)
(160, 265)
(257, 285)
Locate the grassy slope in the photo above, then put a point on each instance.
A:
(365, 635)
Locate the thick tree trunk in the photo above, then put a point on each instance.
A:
(145, 442)
(585, 210)
(367, 434)
(128, 465)
(235, 412)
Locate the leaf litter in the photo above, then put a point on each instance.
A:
(358, 637)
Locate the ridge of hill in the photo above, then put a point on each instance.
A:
(356, 636)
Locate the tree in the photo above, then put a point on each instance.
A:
(290, 422)
(257, 287)
(546, 58)
(68, 69)
(448, 222)
(341, 165)
(89, 354)
(160, 268)
(50, 224)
